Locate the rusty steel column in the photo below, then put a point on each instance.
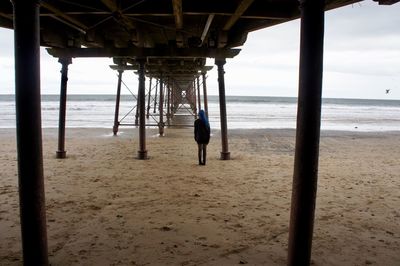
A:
(198, 92)
(142, 152)
(172, 110)
(137, 107)
(148, 100)
(168, 104)
(117, 101)
(165, 92)
(29, 132)
(194, 98)
(161, 107)
(305, 175)
(205, 98)
(225, 154)
(155, 97)
(61, 153)
(173, 99)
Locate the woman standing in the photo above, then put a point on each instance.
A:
(202, 136)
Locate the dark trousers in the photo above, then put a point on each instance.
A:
(202, 153)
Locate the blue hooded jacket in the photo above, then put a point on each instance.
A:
(202, 129)
(203, 118)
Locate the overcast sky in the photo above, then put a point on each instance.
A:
(361, 60)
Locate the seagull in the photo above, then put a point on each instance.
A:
(387, 91)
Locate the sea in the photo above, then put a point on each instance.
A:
(243, 112)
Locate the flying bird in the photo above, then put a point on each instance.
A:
(387, 91)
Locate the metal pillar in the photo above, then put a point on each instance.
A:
(29, 132)
(61, 153)
(165, 92)
(172, 101)
(198, 93)
(225, 154)
(168, 104)
(308, 132)
(161, 108)
(194, 99)
(148, 100)
(155, 99)
(137, 108)
(142, 152)
(205, 98)
(117, 101)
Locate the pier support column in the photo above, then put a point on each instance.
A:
(225, 154)
(149, 100)
(29, 132)
(308, 132)
(205, 98)
(142, 152)
(194, 99)
(137, 108)
(161, 107)
(155, 97)
(165, 93)
(198, 93)
(168, 105)
(172, 100)
(117, 101)
(61, 153)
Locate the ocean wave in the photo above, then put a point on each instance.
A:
(243, 112)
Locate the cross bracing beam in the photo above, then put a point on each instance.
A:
(154, 70)
(64, 17)
(117, 14)
(165, 52)
(242, 7)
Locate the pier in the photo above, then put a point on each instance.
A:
(166, 43)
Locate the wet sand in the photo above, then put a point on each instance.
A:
(104, 207)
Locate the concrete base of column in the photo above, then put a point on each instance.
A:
(225, 155)
(61, 154)
(142, 155)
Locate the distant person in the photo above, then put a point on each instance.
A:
(202, 136)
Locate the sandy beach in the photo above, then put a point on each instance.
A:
(104, 207)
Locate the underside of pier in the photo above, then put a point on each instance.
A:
(166, 42)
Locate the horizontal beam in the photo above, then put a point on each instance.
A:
(124, 67)
(258, 15)
(158, 69)
(165, 52)
(387, 2)
(226, 14)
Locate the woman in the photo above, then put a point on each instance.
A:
(202, 136)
